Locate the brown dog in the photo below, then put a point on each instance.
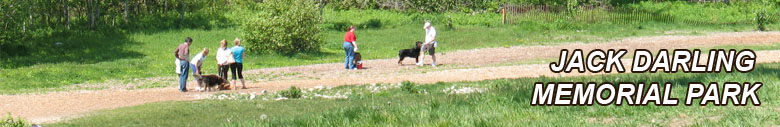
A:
(209, 81)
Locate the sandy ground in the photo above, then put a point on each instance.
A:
(464, 65)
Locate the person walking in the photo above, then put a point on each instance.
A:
(237, 67)
(182, 53)
(429, 45)
(224, 59)
(350, 47)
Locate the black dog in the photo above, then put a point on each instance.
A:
(209, 81)
(413, 53)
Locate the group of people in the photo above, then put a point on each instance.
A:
(232, 58)
(429, 46)
(227, 59)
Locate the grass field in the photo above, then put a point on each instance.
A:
(88, 58)
(503, 102)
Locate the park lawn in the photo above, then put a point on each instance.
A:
(504, 102)
(96, 57)
(773, 46)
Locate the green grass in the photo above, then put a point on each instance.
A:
(773, 46)
(97, 57)
(505, 102)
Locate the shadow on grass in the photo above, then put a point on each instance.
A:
(74, 47)
(309, 55)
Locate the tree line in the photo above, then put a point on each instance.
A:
(25, 19)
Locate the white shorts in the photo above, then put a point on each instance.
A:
(178, 66)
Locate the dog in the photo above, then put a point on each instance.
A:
(413, 53)
(207, 82)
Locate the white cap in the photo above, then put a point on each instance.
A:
(426, 25)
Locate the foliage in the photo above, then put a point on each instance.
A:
(718, 13)
(761, 21)
(284, 26)
(24, 21)
(9, 121)
(408, 87)
(383, 19)
(467, 6)
(293, 92)
(676, 12)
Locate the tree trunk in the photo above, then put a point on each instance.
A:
(126, 10)
(97, 14)
(91, 13)
(181, 12)
(60, 16)
(67, 14)
(165, 9)
(30, 16)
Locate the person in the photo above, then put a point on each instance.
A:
(182, 53)
(196, 63)
(224, 59)
(237, 67)
(429, 45)
(350, 47)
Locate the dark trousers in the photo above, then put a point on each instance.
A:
(222, 70)
(236, 69)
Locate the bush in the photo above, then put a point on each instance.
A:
(408, 87)
(11, 122)
(293, 92)
(284, 26)
(761, 20)
(371, 23)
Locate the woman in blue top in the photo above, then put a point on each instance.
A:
(236, 68)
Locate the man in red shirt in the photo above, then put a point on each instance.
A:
(349, 48)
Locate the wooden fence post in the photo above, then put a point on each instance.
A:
(503, 15)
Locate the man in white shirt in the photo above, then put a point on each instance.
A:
(429, 45)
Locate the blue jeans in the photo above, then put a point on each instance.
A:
(185, 67)
(349, 55)
(195, 71)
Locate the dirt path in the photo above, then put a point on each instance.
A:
(465, 65)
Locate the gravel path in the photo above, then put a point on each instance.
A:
(464, 65)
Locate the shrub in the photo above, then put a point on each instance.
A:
(284, 26)
(761, 20)
(293, 92)
(337, 26)
(371, 23)
(408, 87)
(11, 122)
(448, 25)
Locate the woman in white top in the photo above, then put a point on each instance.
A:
(224, 59)
(197, 61)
